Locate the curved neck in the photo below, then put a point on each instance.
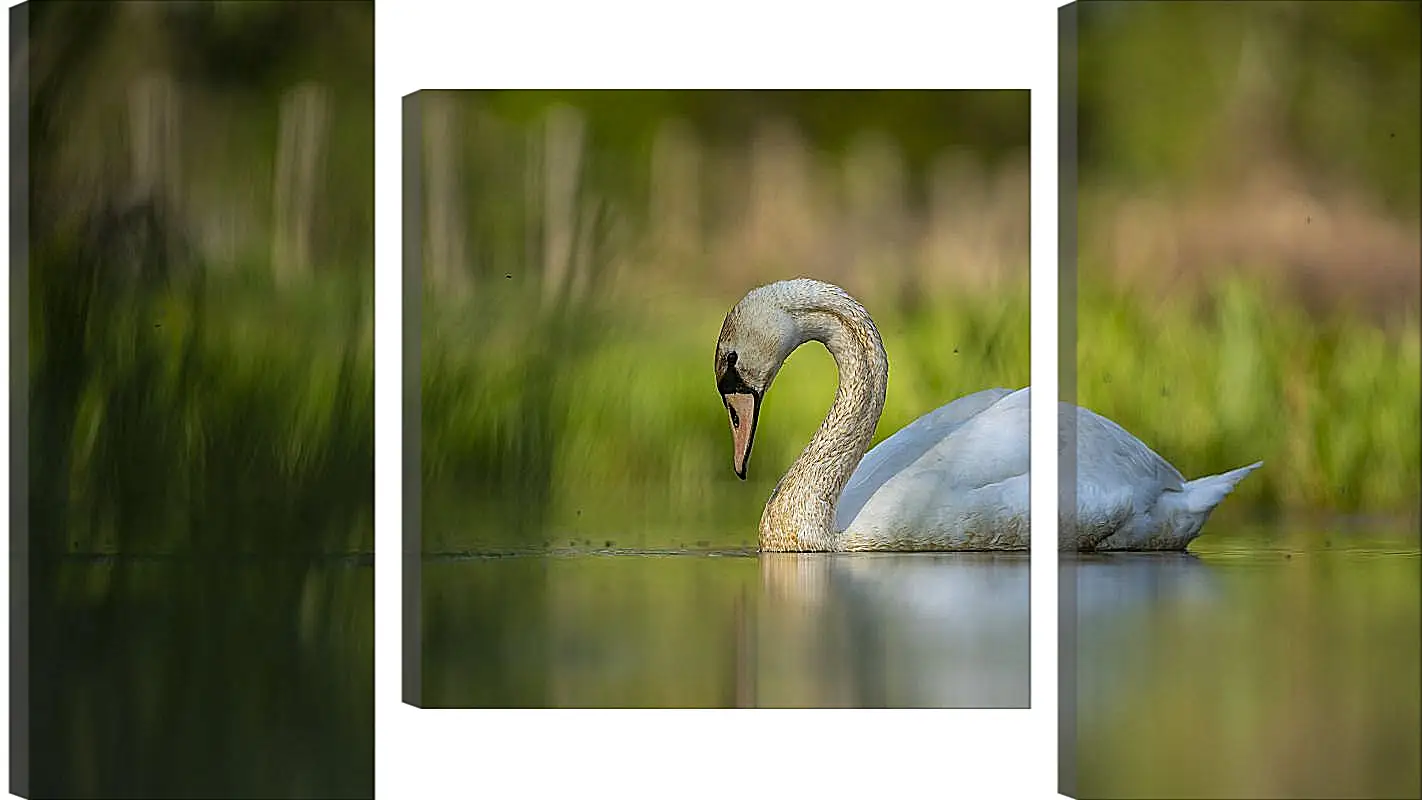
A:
(801, 511)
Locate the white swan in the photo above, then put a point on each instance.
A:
(954, 479)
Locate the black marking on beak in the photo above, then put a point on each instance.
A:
(730, 380)
(729, 383)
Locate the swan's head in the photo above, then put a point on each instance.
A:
(756, 338)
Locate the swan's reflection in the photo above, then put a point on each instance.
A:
(950, 629)
(1113, 585)
(733, 629)
(1108, 604)
(881, 629)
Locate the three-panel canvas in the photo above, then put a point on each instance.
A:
(715, 399)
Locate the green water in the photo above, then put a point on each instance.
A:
(1269, 662)
(202, 677)
(725, 629)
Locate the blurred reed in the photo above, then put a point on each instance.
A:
(201, 361)
(1250, 253)
(1232, 374)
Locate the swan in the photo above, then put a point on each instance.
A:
(955, 478)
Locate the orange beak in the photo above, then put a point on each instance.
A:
(744, 410)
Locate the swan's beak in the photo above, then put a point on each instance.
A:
(744, 410)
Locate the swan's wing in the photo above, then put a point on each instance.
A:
(1112, 462)
(970, 442)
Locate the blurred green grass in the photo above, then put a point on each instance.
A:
(1229, 375)
(196, 381)
(216, 414)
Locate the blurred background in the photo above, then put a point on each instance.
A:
(1248, 267)
(579, 253)
(200, 398)
(1248, 283)
(582, 248)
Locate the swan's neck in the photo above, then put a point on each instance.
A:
(801, 511)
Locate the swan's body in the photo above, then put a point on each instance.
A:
(1127, 496)
(956, 478)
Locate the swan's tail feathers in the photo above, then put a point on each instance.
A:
(1203, 494)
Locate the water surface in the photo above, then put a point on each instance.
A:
(1268, 662)
(726, 629)
(202, 677)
